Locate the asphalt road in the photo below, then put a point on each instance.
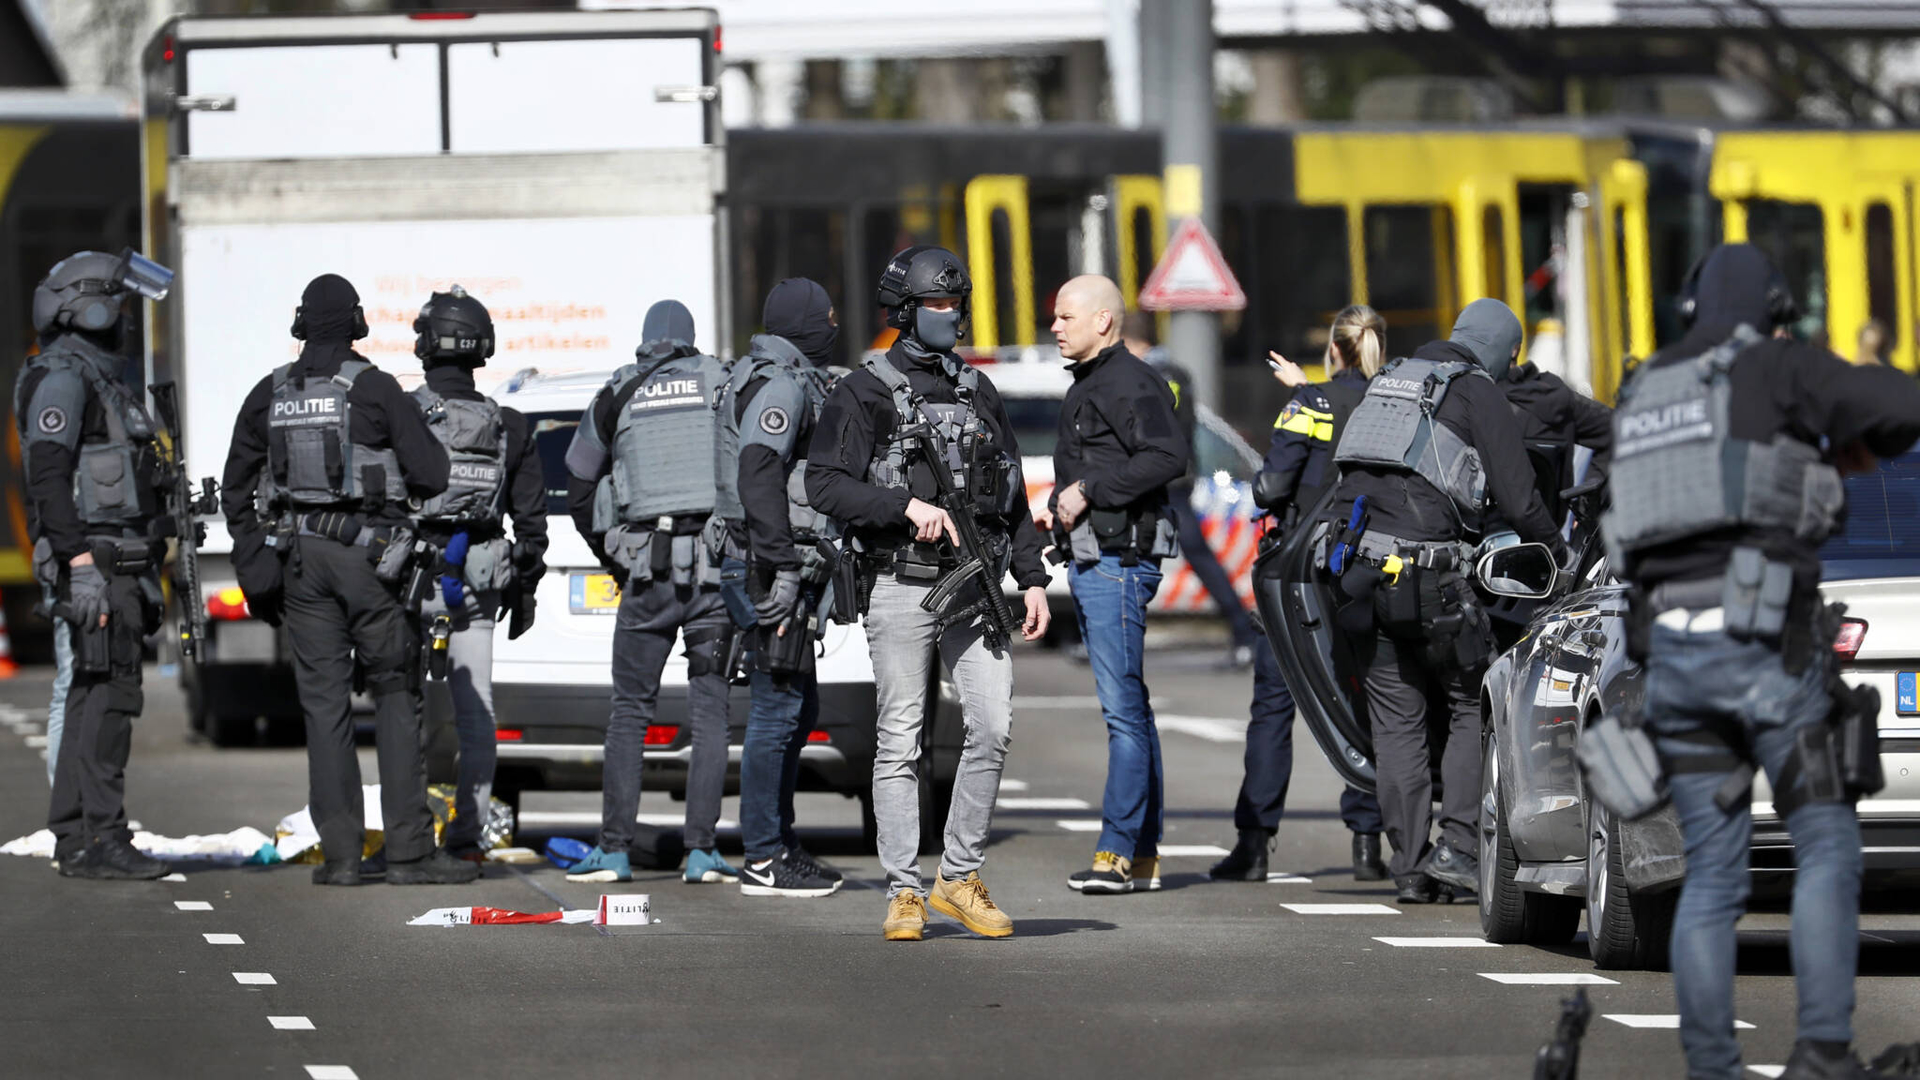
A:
(116, 979)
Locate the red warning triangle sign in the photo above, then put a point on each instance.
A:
(1192, 275)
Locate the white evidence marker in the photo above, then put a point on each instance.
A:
(1548, 978)
(1042, 804)
(1080, 824)
(1660, 1021)
(193, 905)
(223, 939)
(331, 1072)
(1279, 877)
(1341, 909)
(254, 978)
(1437, 942)
(290, 1023)
(1191, 851)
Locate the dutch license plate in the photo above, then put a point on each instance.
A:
(1906, 701)
(593, 594)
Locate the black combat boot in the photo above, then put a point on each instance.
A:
(1829, 1061)
(337, 872)
(1247, 861)
(438, 868)
(1414, 889)
(1450, 867)
(1367, 865)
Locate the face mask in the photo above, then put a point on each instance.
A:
(937, 330)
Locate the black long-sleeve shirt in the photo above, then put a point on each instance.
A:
(379, 415)
(859, 415)
(1119, 434)
(58, 413)
(1403, 504)
(526, 495)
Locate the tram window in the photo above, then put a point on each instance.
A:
(1053, 222)
(1493, 249)
(1300, 278)
(1239, 329)
(1143, 255)
(1881, 289)
(1405, 272)
(778, 242)
(1794, 236)
(1003, 298)
(1543, 230)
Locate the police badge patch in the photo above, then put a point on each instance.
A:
(53, 420)
(774, 421)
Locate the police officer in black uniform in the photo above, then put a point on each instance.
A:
(1428, 426)
(494, 474)
(1553, 413)
(90, 461)
(328, 456)
(1727, 617)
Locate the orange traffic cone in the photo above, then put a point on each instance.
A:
(8, 669)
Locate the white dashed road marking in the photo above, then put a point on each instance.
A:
(1218, 729)
(1042, 804)
(193, 905)
(36, 742)
(1080, 824)
(331, 1072)
(1191, 851)
(1661, 1021)
(290, 1023)
(1013, 785)
(1341, 909)
(174, 877)
(254, 978)
(1437, 943)
(223, 939)
(1279, 878)
(1548, 978)
(1768, 1070)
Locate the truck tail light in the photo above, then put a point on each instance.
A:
(507, 734)
(661, 734)
(228, 605)
(817, 735)
(1846, 644)
(435, 16)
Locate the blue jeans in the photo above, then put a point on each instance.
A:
(1111, 603)
(784, 712)
(62, 682)
(1697, 678)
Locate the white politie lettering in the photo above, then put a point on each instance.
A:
(1664, 425)
(306, 406)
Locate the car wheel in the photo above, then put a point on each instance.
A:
(1623, 930)
(1510, 915)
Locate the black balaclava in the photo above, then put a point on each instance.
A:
(1732, 289)
(667, 331)
(798, 309)
(327, 307)
(1490, 330)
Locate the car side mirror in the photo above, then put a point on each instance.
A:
(1522, 571)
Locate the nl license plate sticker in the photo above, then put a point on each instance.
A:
(593, 594)
(1906, 701)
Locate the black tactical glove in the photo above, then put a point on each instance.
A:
(86, 594)
(780, 600)
(521, 619)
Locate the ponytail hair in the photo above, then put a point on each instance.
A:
(1360, 337)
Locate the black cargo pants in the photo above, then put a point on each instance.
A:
(90, 773)
(337, 611)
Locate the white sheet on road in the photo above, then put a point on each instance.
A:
(241, 845)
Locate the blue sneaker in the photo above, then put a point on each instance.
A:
(602, 866)
(708, 868)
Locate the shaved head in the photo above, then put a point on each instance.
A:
(1086, 316)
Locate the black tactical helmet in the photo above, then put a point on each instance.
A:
(924, 272)
(453, 327)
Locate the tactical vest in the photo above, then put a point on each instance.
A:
(955, 425)
(106, 475)
(757, 364)
(1394, 428)
(312, 460)
(475, 438)
(665, 442)
(1678, 472)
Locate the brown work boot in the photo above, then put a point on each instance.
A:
(966, 900)
(1146, 874)
(906, 917)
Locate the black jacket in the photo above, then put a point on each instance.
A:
(380, 415)
(60, 412)
(1402, 504)
(1550, 411)
(1299, 465)
(859, 415)
(526, 495)
(1119, 434)
(763, 483)
(1782, 385)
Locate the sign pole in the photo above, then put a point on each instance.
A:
(1188, 154)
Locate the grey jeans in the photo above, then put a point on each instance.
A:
(903, 639)
(470, 685)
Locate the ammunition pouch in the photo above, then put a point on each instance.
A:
(1621, 768)
(1755, 593)
(630, 550)
(1855, 724)
(489, 565)
(917, 562)
(1126, 533)
(849, 598)
(128, 555)
(995, 493)
(391, 550)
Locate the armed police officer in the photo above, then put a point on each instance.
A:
(1724, 485)
(1119, 449)
(1426, 449)
(1296, 475)
(890, 436)
(494, 471)
(643, 490)
(90, 462)
(328, 456)
(767, 420)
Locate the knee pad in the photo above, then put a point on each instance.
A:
(706, 649)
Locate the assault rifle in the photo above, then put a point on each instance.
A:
(184, 509)
(1560, 1059)
(978, 565)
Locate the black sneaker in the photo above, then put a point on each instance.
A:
(438, 868)
(1367, 864)
(804, 859)
(337, 872)
(1811, 1062)
(118, 860)
(1414, 889)
(1110, 874)
(784, 875)
(81, 862)
(1449, 867)
(1247, 861)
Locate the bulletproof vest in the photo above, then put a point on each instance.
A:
(762, 362)
(475, 438)
(311, 456)
(955, 425)
(1678, 472)
(665, 439)
(1394, 428)
(107, 476)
